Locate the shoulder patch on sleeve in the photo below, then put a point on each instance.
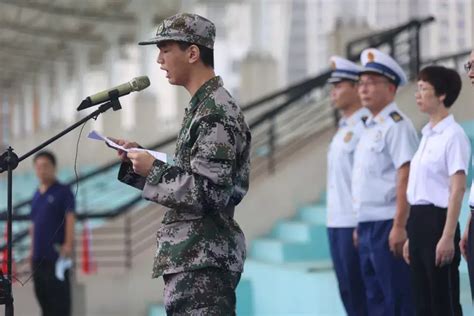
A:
(396, 116)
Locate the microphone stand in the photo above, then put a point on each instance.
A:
(8, 162)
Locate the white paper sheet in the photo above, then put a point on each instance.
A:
(97, 136)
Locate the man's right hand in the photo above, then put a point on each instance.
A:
(125, 144)
(396, 240)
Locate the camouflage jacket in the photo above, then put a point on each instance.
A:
(209, 177)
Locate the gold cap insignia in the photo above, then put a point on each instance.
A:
(370, 56)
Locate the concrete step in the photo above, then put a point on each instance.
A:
(279, 251)
(287, 289)
(299, 231)
(315, 213)
(306, 289)
(156, 310)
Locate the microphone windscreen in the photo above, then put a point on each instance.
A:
(140, 83)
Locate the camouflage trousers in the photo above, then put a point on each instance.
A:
(208, 291)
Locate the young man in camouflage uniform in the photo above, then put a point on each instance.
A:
(201, 249)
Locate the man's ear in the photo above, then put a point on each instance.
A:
(393, 88)
(194, 54)
(442, 98)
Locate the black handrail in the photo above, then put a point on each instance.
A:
(295, 88)
(16, 238)
(303, 90)
(377, 39)
(307, 85)
(90, 174)
(80, 217)
(293, 93)
(355, 47)
(289, 90)
(297, 91)
(454, 57)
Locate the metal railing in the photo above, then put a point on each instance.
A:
(403, 43)
(112, 246)
(455, 60)
(280, 121)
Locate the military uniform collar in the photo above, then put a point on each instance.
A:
(383, 115)
(202, 93)
(354, 118)
(438, 128)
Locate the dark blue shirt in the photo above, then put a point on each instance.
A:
(48, 212)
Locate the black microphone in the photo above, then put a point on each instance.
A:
(136, 84)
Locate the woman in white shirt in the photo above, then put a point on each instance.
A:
(436, 186)
(467, 241)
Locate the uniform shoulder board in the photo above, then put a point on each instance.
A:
(396, 116)
(364, 119)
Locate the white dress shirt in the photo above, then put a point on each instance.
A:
(471, 196)
(340, 160)
(444, 150)
(388, 142)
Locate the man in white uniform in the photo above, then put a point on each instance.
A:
(342, 219)
(379, 181)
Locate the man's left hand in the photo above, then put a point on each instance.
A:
(444, 251)
(142, 162)
(396, 240)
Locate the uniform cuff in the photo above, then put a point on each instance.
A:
(156, 172)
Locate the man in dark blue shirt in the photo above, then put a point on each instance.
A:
(52, 236)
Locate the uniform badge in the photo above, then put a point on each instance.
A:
(348, 137)
(50, 199)
(160, 29)
(395, 116)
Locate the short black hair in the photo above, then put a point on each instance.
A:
(206, 54)
(46, 154)
(445, 81)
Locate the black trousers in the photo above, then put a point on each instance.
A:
(470, 253)
(435, 289)
(53, 295)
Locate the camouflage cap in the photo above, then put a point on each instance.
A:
(186, 27)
